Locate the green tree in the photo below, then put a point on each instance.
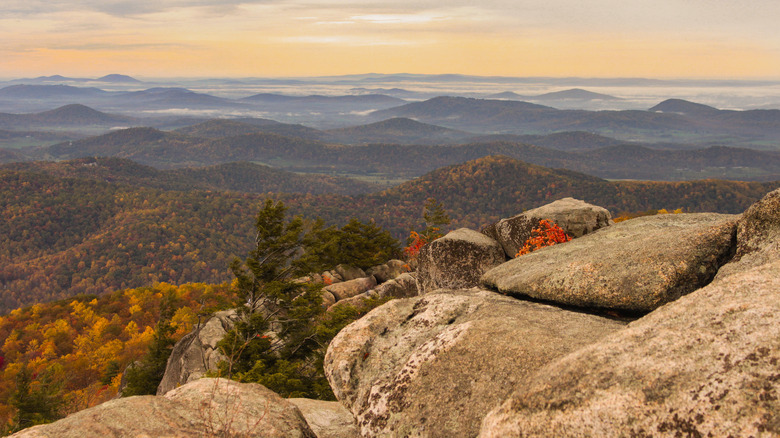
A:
(263, 276)
(435, 219)
(273, 337)
(356, 244)
(282, 333)
(36, 401)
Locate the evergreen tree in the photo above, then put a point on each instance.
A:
(36, 401)
(435, 219)
(282, 333)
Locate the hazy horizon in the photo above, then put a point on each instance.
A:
(697, 39)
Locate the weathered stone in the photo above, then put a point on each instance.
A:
(196, 353)
(330, 277)
(457, 260)
(758, 236)
(207, 407)
(436, 364)
(388, 271)
(347, 272)
(402, 286)
(358, 301)
(490, 230)
(576, 217)
(326, 418)
(351, 288)
(636, 265)
(705, 365)
(328, 299)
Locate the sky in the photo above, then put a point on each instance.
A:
(282, 38)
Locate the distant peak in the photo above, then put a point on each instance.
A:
(118, 78)
(681, 106)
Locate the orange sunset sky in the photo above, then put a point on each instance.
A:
(267, 38)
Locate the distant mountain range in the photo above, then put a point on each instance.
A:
(572, 94)
(667, 121)
(606, 158)
(74, 115)
(111, 78)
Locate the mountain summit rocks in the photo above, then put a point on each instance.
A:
(434, 365)
(575, 217)
(636, 265)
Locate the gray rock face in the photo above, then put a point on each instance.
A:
(758, 235)
(576, 217)
(706, 365)
(403, 286)
(326, 418)
(207, 407)
(457, 260)
(635, 265)
(388, 271)
(348, 289)
(436, 364)
(349, 272)
(196, 353)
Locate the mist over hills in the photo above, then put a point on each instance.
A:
(571, 94)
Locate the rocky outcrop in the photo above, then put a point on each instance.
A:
(388, 271)
(576, 217)
(706, 365)
(350, 288)
(435, 365)
(196, 353)
(457, 260)
(347, 272)
(207, 407)
(758, 235)
(403, 286)
(327, 419)
(636, 265)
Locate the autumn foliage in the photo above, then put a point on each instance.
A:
(546, 234)
(74, 350)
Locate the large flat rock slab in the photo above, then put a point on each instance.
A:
(435, 365)
(636, 265)
(707, 365)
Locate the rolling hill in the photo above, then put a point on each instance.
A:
(24, 91)
(574, 94)
(597, 155)
(74, 116)
(397, 130)
(670, 121)
(235, 177)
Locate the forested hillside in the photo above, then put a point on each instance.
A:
(70, 229)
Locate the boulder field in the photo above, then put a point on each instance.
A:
(664, 326)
